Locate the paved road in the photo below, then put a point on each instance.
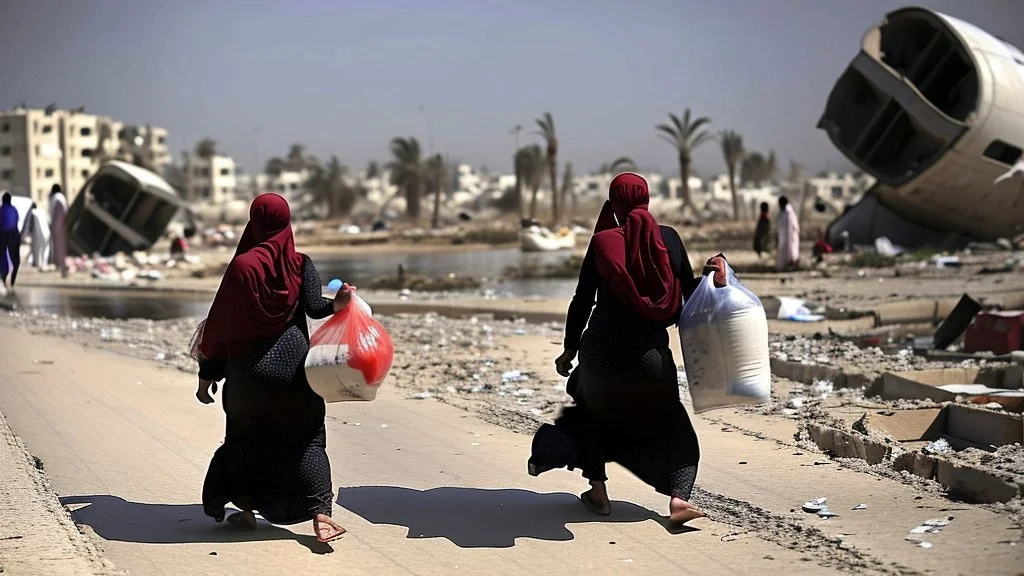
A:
(425, 488)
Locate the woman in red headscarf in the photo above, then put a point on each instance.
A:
(274, 459)
(627, 397)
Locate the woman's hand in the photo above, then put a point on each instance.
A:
(343, 297)
(203, 393)
(716, 265)
(563, 364)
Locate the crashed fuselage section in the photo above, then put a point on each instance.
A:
(933, 108)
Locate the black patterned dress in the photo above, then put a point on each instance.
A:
(274, 457)
(627, 407)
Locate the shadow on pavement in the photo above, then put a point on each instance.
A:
(116, 519)
(477, 517)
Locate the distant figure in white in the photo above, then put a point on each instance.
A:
(59, 229)
(789, 235)
(37, 229)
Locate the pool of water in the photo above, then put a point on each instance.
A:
(107, 303)
(352, 269)
(479, 264)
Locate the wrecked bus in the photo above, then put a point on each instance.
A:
(122, 208)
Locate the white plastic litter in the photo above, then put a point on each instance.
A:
(816, 505)
(940, 446)
(724, 335)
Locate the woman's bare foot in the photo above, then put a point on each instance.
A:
(326, 529)
(596, 499)
(243, 519)
(680, 511)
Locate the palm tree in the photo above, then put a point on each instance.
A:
(297, 160)
(547, 131)
(686, 134)
(408, 171)
(328, 185)
(529, 162)
(206, 148)
(437, 179)
(372, 170)
(732, 153)
(617, 166)
(568, 188)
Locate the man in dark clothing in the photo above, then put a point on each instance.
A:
(762, 233)
(10, 240)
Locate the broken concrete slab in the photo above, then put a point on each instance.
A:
(847, 444)
(931, 385)
(983, 427)
(910, 425)
(974, 485)
(808, 374)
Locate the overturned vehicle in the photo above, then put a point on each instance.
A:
(122, 208)
(933, 108)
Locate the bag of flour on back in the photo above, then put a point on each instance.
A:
(724, 336)
(349, 354)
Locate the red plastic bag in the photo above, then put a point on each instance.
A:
(349, 355)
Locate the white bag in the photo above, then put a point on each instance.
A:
(724, 336)
(350, 354)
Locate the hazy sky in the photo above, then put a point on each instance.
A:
(345, 77)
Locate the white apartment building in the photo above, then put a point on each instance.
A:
(838, 190)
(145, 143)
(40, 148)
(211, 179)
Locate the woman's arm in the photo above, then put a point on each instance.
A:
(212, 369)
(685, 272)
(582, 302)
(313, 302)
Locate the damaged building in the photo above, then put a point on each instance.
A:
(933, 108)
(122, 208)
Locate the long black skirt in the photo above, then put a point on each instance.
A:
(274, 457)
(627, 410)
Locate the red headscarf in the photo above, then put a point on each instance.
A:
(260, 289)
(632, 258)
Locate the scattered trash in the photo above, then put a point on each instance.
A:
(940, 446)
(38, 361)
(885, 247)
(826, 514)
(422, 396)
(924, 544)
(860, 507)
(946, 261)
(514, 376)
(816, 505)
(383, 425)
(932, 526)
(730, 537)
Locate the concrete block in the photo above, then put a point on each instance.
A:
(911, 425)
(984, 427)
(847, 444)
(974, 485)
(924, 465)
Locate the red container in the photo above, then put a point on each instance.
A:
(996, 332)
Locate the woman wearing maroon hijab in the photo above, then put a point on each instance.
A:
(273, 460)
(627, 398)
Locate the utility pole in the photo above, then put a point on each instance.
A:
(430, 133)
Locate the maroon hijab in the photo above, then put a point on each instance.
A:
(632, 258)
(260, 289)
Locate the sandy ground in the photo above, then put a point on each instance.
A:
(37, 535)
(425, 485)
